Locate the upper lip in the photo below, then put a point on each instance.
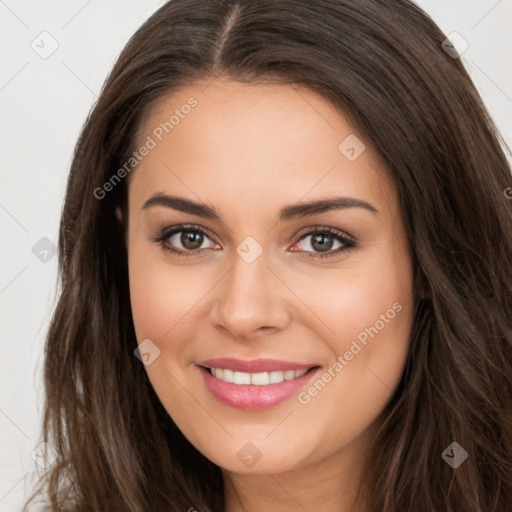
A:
(255, 365)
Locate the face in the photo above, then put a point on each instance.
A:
(231, 260)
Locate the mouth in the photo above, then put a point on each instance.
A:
(273, 382)
(256, 379)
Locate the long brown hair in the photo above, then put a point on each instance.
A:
(382, 62)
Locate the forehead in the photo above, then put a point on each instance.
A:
(235, 140)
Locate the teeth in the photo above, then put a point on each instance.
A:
(257, 379)
(260, 379)
(240, 378)
(228, 375)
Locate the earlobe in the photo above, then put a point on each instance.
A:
(121, 221)
(119, 215)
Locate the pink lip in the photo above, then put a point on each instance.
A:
(254, 366)
(251, 397)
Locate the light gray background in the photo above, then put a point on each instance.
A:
(44, 104)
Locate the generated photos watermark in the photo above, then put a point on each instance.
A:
(305, 397)
(151, 143)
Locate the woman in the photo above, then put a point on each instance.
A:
(285, 259)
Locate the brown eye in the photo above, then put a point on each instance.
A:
(324, 242)
(191, 239)
(184, 240)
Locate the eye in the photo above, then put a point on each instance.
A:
(184, 240)
(319, 242)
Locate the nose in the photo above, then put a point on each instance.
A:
(250, 300)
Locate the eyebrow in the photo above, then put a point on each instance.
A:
(285, 214)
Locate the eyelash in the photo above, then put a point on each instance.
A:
(347, 242)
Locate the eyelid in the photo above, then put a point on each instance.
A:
(348, 242)
(296, 236)
(324, 229)
(171, 230)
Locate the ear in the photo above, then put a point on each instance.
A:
(121, 222)
(119, 215)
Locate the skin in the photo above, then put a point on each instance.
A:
(249, 150)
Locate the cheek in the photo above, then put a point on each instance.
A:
(371, 319)
(164, 301)
(367, 313)
(161, 294)
(364, 301)
(152, 304)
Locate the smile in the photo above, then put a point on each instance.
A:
(254, 385)
(256, 379)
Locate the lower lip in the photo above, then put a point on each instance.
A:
(251, 397)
